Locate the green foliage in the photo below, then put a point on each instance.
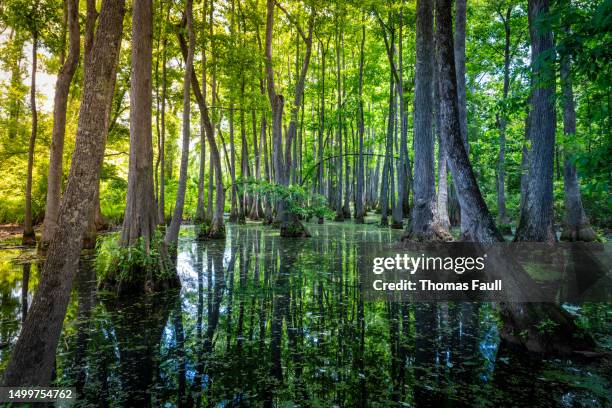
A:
(546, 326)
(295, 198)
(128, 264)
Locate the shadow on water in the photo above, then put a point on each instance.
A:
(267, 322)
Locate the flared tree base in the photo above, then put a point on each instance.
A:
(434, 233)
(29, 238)
(137, 280)
(542, 328)
(293, 229)
(210, 230)
(584, 233)
(397, 225)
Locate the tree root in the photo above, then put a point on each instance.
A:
(585, 233)
(542, 328)
(435, 233)
(293, 229)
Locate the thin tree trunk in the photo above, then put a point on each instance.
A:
(62, 88)
(29, 238)
(33, 357)
(576, 225)
(161, 209)
(502, 216)
(387, 164)
(404, 173)
(200, 216)
(177, 217)
(217, 228)
(256, 210)
(339, 210)
(244, 160)
(459, 48)
(359, 204)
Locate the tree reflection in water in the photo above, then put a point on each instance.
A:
(262, 321)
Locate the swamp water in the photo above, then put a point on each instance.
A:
(261, 321)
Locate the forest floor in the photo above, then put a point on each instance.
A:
(14, 230)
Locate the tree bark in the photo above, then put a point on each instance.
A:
(200, 215)
(518, 317)
(481, 227)
(423, 226)
(442, 217)
(576, 225)
(502, 216)
(359, 199)
(140, 218)
(290, 224)
(537, 223)
(33, 357)
(387, 164)
(233, 217)
(459, 48)
(339, 209)
(177, 217)
(217, 228)
(62, 88)
(29, 238)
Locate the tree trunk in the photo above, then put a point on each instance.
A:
(140, 218)
(233, 217)
(244, 161)
(29, 238)
(161, 208)
(290, 224)
(299, 92)
(217, 228)
(62, 89)
(33, 358)
(177, 217)
(200, 216)
(256, 209)
(576, 224)
(423, 226)
(404, 175)
(442, 217)
(339, 209)
(520, 319)
(387, 164)
(359, 208)
(537, 223)
(481, 227)
(201, 205)
(502, 216)
(459, 48)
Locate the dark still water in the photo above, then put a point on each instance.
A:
(261, 321)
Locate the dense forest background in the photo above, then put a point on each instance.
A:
(347, 56)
